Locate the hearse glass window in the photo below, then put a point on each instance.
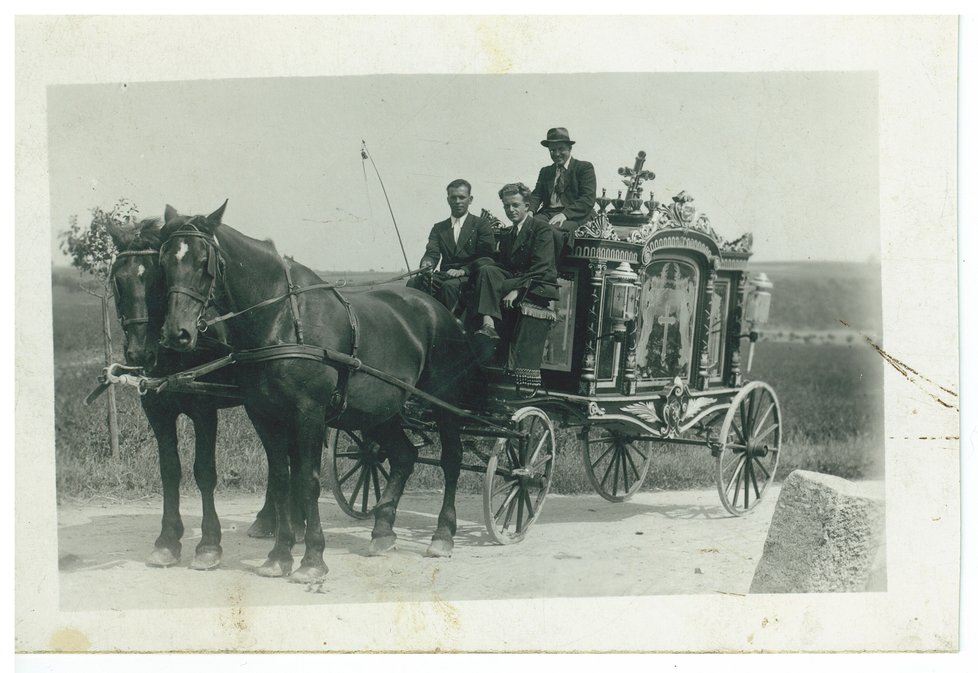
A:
(667, 319)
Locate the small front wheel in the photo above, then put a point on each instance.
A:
(751, 448)
(518, 476)
(616, 464)
(356, 471)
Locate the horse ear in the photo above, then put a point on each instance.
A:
(169, 214)
(216, 216)
(120, 237)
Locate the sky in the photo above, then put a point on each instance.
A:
(791, 157)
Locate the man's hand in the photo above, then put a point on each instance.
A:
(510, 298)
(557, 220)
(455, 273)
(426, 265)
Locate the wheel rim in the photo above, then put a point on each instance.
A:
(748, 459)
(518, 477)
(615, 466)
(357, 472)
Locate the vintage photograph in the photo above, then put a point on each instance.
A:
(460, 341)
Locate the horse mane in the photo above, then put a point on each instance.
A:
(149, 234)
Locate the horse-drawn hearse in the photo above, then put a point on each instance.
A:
(643, 347)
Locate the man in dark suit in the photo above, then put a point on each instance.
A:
(566, 189)
(456, 243)
(526, 255)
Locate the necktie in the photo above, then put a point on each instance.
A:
(561, 182)
(456, 228)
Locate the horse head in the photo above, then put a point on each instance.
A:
(139, 290)
(191, 262)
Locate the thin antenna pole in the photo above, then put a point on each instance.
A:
(365, 155)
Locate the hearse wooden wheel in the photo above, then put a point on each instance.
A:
(615, 465)
(751, 437)
(357, 473)
(518, 476)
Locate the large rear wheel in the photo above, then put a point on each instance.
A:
(518, 476)
(751, 448)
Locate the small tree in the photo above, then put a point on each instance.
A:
(92, 252)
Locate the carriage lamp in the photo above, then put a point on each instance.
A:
(758, 299)
(757, 309)
(623, 303)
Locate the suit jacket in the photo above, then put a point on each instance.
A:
(530, 257)
(579, 192)
(475, 240)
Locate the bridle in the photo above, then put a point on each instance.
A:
(215, 268)
(123, 319)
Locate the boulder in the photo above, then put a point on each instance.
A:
(826, 535)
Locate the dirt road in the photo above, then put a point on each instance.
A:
(672, 542)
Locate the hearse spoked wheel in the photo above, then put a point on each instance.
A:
(615, 464)
(751, 438)
(518, 476)
(357, 471)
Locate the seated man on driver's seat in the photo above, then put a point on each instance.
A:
(524, 274)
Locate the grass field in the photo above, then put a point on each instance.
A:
(831, 397)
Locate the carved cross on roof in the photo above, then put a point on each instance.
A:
(634, 177)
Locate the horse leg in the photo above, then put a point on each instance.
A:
(310, 430)
(296, 501)
(402, 454)
(207, 556)
(451, 463)
(274, 437)
(264, 525)
(163, 421)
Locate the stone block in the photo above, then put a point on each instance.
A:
(826, 535)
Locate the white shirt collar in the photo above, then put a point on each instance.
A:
(458, 221)
(521, 222)
(566, 163)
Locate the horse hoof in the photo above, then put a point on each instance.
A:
(381, 545)
(274, 569)
(309, 574)
(262, 529)
(440, 548)
(206, 559)
(162, 558)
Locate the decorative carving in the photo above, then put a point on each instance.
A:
(733, 336)
(594, 410)
(676, 409)
(589, 381)
(744, 244)
(597, 226)
(634, 177)
(704, 371)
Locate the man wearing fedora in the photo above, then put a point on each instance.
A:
(566, 189)
(455, 243)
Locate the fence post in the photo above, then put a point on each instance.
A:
(113, 415)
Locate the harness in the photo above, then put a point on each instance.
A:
(345, 363)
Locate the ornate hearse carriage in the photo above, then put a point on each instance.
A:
(644, 346)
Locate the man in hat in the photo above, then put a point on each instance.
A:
(525, 265)
(565, 189)
(456, 243)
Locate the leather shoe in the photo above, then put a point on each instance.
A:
(488, 333)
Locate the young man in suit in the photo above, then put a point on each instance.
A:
(526, 254)
(565, 189)
(456, 243)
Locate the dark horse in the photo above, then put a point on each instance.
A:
(402, 332)
(140, 296)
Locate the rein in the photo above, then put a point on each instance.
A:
(346, 363)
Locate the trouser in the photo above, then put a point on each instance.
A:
(492, 283)
(443, 288)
